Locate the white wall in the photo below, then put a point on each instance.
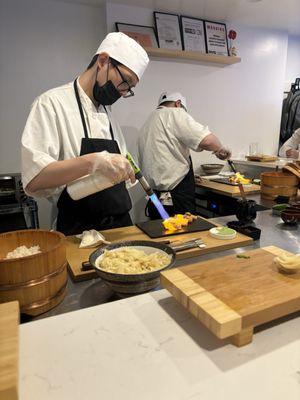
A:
(240, 103)
(46, 43)
(43, 44)
(293, 61)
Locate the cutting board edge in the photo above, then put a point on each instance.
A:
(245, 322)
(9, 385)
(222, 321)
(82, 275)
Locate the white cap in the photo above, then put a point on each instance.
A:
(125, 50)
(172, 96)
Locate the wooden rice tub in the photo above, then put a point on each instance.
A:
(275, 184)
(38, 281)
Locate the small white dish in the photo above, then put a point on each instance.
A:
(222, 232)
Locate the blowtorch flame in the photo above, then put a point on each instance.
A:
(160, 208)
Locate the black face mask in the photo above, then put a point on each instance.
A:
(106, 94)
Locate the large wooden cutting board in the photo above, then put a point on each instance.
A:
(76, 256)
(227, 190)
(231, 295)
(9, 350)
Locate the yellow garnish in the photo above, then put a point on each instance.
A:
(178, 221)
(239, 178)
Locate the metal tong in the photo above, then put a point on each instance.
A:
(190, 244)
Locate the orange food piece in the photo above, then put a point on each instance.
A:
(178, 221)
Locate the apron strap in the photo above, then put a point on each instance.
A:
(80, 109)
(110, 126)
(82, 115)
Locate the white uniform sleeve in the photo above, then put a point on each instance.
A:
(292, 143)
(187, 130)
(120, 139)
(40, 143)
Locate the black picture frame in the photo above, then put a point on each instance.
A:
(183, 35)
(149, 29)
(206, 38)
(155, 13)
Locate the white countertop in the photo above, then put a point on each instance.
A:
(149, 348)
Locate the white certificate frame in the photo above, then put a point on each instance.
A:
(193, 34)
(168, 30)
(216, 38)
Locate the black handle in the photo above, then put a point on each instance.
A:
(231, 166)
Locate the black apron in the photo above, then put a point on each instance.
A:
(183, 197)
(103, 210)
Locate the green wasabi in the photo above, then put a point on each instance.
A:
(242, 256)
(223, 230)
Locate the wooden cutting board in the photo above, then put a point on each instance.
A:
(227, 190)
(231, 295)
(262, 158)
(9, 350)
(76, 256)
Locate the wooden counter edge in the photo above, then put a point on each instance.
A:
(9, 350)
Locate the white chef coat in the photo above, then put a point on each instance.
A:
(54, 131)
(292, 143)
(164, 146)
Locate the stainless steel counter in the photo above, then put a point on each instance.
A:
(94, 292)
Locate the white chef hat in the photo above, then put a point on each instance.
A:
(125, 50)
(172, 96)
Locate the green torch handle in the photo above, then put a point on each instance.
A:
(139, 176)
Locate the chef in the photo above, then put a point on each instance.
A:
(291, 148)
(70, 133)
(164, 148)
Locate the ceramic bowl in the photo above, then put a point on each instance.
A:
(131, 284)
(211, 169)
(291, 215)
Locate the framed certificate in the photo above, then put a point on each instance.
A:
(193, 35)
(216, 38)
(168, 30)
(144, 35)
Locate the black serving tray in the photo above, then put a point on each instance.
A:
(247, 230)
(155, 229)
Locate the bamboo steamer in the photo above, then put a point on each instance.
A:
(275, 184)
(38, 281)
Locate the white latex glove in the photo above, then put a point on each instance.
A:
(115, 167)
(223, 153)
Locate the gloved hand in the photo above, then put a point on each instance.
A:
(291, 153)
(223, 153)
(113, 166)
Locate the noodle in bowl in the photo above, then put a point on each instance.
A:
(132, 267)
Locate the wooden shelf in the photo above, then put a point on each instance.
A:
(192, 55)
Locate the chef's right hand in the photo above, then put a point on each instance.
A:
(114, 166)
(223, 153)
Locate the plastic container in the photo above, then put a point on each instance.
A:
(247, 230)
(278, 208)
(87, 185)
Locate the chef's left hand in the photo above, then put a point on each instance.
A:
(291, 153)
(223, 153)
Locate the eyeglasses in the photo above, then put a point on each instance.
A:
(124, 85)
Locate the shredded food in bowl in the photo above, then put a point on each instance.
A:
(128, 260)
